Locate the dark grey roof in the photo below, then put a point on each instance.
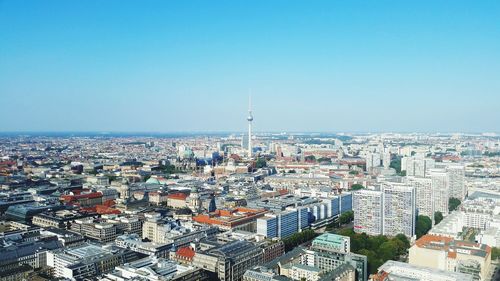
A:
(13, 252)
(233, 249)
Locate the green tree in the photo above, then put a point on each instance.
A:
(495, 253)
(169, 169)
(346, 217)
(298, 238)
(396, 164)
(378, 249)
(453, 204)
(310, 158)
(324, 159)
(353, 172)
(357, 186)
(424, 224)
(400, 247)
(260, 163)
(388, 250)
(374, 262)
(438, 217)
(401, 237)
(374, 242)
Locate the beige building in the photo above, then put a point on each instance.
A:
(301, 272)
(445, 253)
(177, 200)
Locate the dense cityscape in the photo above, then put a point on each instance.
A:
(262, 140)
(252, 207)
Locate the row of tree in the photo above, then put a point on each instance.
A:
(378, 249)
(343, 219)
(298, 238)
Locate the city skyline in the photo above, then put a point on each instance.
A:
(187, 66)
(264, 140)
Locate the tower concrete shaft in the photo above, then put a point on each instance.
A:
(250, 119)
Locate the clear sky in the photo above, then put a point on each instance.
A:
(165, 66)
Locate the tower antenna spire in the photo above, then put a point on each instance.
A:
(250, 100)
(250, 119)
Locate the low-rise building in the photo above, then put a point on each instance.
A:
(230, 261)
(88, 260)
(452, 255)
(135, 243)
(153, 269)
(99, 231)
(393, 270)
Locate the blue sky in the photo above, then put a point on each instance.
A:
(333, 66)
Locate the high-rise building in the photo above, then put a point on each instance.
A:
(425, 195)
(399, 209)
(390, 211)
(440, 189)
(386, 159)
(456, 173)
(416, 165)
(372, 160)
(368, 211)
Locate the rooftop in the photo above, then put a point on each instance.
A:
(452, 247)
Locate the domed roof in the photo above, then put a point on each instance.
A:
(153, 181)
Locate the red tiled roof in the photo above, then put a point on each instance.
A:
(178, 196)
(186, 252)
(81, 196)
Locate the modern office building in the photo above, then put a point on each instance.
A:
(283, 223)
(346, 202)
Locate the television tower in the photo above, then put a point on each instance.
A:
(250, 119)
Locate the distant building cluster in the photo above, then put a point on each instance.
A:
(232, 207)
